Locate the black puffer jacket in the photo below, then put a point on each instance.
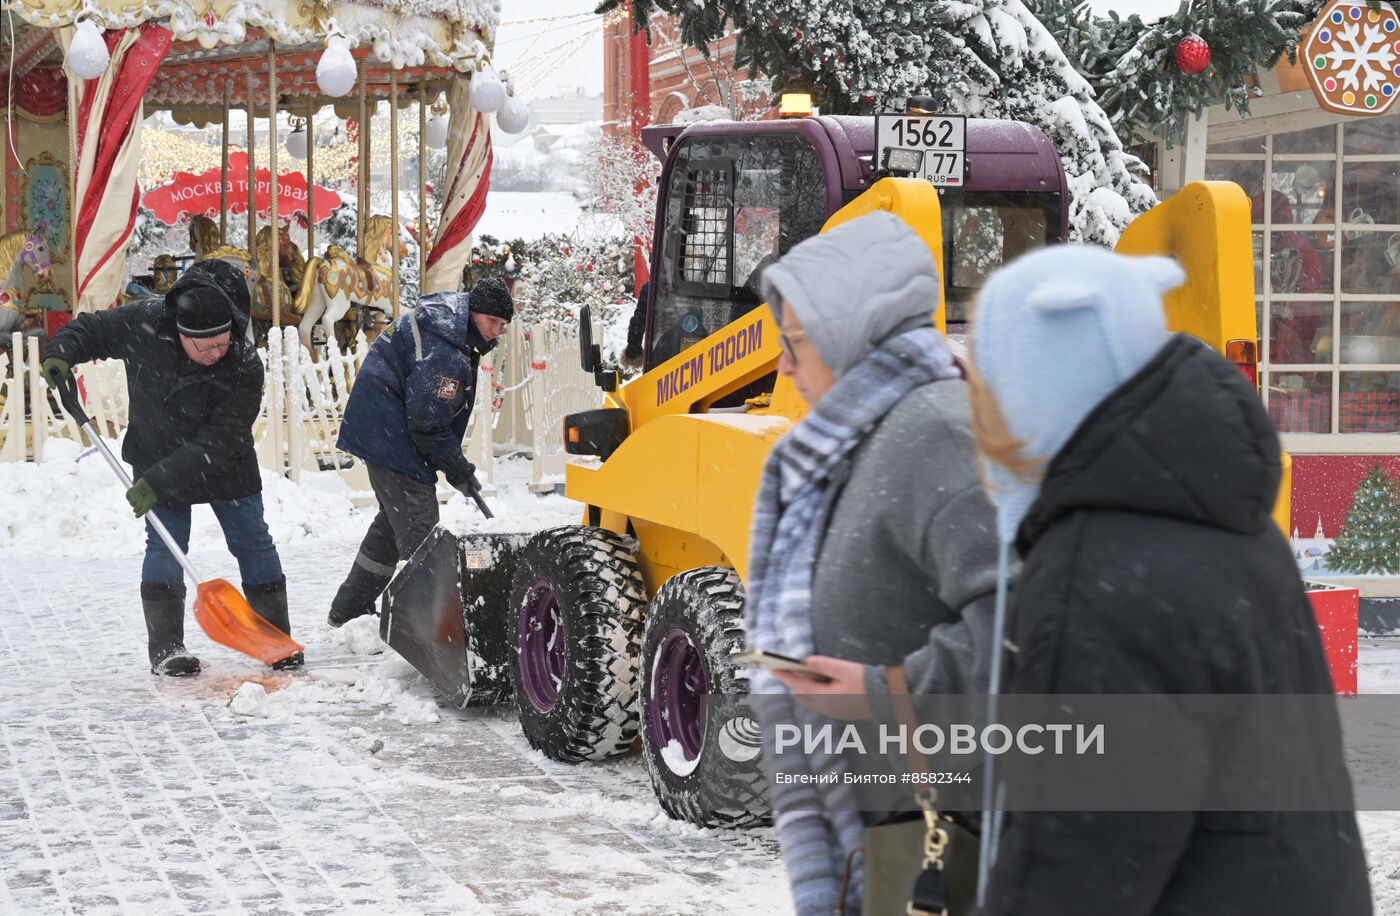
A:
(191, 428)
(1152, 566)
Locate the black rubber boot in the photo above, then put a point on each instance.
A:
(164, 606)
(357, 596)
(270, 601)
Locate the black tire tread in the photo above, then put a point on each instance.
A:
(734, 795)
(596, 715)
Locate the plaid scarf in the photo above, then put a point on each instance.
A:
(815, 835)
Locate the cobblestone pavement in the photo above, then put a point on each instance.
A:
(341, 789)
(346, 790)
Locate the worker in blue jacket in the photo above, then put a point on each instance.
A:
(406, 417)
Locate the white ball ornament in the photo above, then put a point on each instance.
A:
(87, 55)
(335, 72)
(487, 93)
(435, 132)
(514, 116)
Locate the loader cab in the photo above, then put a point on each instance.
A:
(736, 195)
(734, 201)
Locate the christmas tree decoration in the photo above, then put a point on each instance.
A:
(1192, 54)
(1369, 542)
(1352, 58)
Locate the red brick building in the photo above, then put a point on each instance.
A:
(681, 77)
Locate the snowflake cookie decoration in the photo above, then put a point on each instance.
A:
(1352, 58)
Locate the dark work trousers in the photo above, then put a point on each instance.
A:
(408, 512)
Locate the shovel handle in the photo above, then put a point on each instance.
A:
(481, 504)
(68, 396)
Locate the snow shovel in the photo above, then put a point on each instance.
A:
(221, 611)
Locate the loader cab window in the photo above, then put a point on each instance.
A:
(733, 205)
(982, 230)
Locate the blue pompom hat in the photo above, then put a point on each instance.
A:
(1055, 332)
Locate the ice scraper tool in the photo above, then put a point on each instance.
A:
(220, 610)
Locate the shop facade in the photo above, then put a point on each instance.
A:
(1324, 190)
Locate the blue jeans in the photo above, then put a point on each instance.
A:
(245, 532)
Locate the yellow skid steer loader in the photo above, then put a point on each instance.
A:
(621, 627)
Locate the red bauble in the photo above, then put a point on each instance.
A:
(1192, 54)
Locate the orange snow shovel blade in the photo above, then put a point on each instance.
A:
(227, 618)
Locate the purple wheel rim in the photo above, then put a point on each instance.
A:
(679, 683)
(539, 640)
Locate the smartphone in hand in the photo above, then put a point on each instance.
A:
(772, 661)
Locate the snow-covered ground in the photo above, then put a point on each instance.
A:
(345, 787)
(341, 788)
(531, 214)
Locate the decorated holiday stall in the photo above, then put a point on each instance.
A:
(85, 75)
(1318, 152)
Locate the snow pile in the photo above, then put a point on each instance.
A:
(251, 700)
(73, 503)
(517, 510)
(703, 113)
(66, 506)
(361, 635)
(397, 688)
(674, 757)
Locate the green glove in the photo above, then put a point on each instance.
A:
(55, 371)
(142, 497)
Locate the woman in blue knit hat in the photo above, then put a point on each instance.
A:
(1134, 472)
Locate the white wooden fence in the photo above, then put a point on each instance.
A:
(526, 387)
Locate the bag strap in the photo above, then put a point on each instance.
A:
(929, 896)
(846, 879)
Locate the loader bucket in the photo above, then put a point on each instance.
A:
(446, 612)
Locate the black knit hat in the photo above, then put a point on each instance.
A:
(490, 297)
(227, 278)
(202, 309)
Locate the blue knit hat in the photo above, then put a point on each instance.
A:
(1054, 334)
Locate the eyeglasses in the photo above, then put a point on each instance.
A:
(212, 348)
(786, 341)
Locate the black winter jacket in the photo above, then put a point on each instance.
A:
(1152, 566)
(191, 427)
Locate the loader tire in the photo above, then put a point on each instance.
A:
(576, 612)
(710, 774)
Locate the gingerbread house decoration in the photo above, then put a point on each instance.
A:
(1352, 58)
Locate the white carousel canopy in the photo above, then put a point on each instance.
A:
(401, 33)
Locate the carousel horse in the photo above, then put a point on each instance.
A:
(204, 237)
(291, 265)
(335, 282)
(19, 250)
(164, 272)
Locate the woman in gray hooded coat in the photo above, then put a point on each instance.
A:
(873, 553)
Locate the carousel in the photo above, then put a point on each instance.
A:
(83, 77)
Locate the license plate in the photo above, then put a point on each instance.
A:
(941, 138)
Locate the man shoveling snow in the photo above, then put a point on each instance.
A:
(195, 385)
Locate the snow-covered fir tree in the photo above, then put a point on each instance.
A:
(1131, 64)
(992, 59)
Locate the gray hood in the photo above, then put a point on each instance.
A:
(856, 286)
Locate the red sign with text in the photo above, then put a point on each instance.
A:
(188, 195)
